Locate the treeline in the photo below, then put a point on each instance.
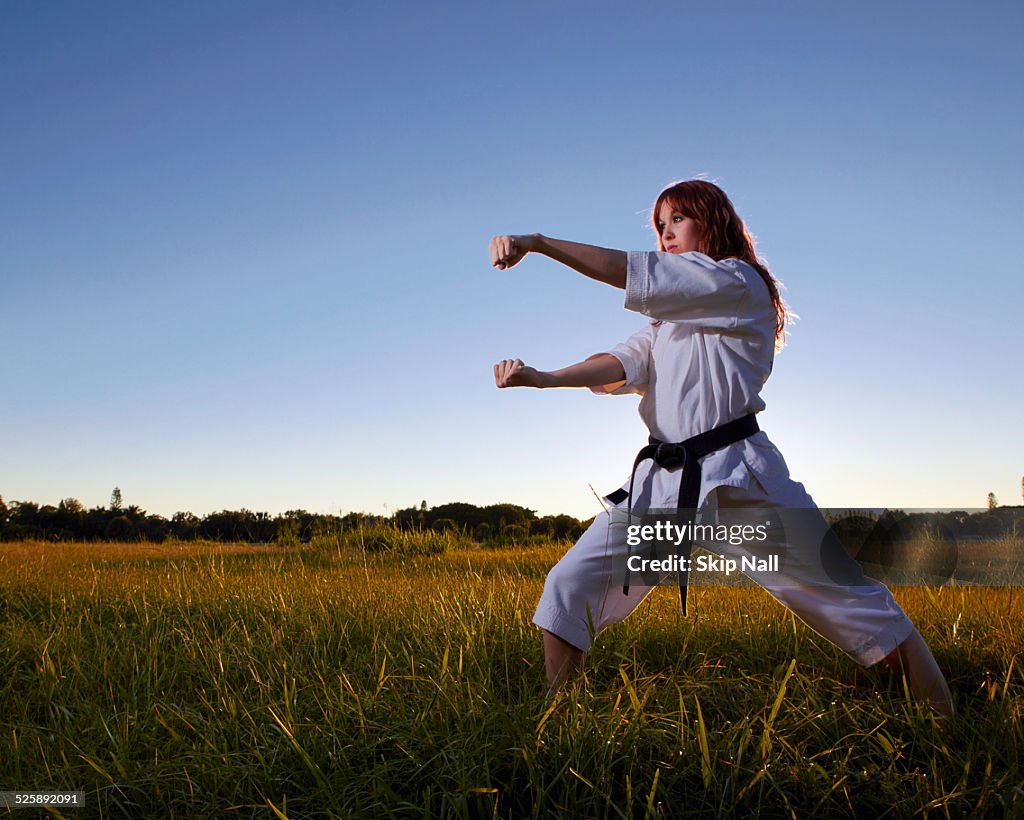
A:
(494, 524)
(71, 521)
(995, 522)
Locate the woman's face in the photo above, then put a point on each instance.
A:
(678, 233)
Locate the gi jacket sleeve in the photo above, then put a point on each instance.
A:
(689, 288)
(635, 356)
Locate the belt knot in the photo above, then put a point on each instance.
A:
(670, 455)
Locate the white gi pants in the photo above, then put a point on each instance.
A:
(581, 599)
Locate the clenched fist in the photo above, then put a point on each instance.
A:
(506, 251)
(513, 373)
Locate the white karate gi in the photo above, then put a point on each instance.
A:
(699, 363)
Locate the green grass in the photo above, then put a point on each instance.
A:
(190, 681)
(390, 538)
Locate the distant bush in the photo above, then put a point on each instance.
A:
(120, 528)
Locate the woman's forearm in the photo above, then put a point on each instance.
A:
(597, 371)
(603, 264)
(600, 370)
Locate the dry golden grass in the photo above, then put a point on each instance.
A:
(185, 680)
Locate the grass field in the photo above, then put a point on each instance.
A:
(202, 680)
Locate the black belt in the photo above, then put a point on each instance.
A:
(686, 454)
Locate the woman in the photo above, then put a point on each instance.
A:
(700, 363)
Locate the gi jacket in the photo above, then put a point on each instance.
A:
(700, 362)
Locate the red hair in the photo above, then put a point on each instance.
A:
(722, 234)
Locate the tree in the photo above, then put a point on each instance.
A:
(119, 529)
(993, 502)
(68, 523)
(185, 525)
(116, 500)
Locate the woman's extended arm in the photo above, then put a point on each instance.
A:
(597, 371)
(603, 264)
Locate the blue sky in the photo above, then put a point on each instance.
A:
(243, 246)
